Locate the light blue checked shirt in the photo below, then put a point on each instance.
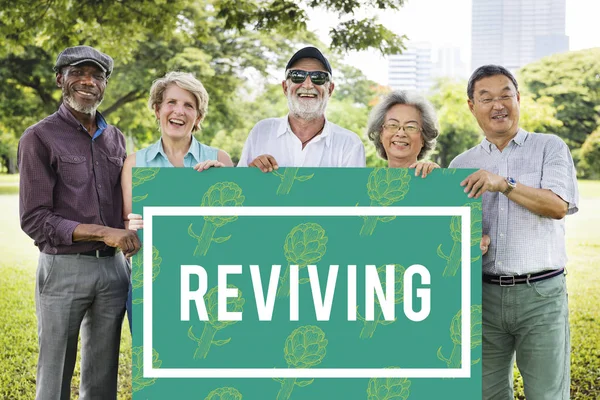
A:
(521, 241)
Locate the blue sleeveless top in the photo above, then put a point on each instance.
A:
(155, 156)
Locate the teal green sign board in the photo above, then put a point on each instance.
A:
(318, 283)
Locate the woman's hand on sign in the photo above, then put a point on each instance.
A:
(135, 222)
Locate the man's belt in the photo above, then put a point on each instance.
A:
(508, 280)
(107, 252)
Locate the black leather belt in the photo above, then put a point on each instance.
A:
(508, 280)
(107, 252)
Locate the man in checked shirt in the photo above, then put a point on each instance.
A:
(70, 205)
(528, 185)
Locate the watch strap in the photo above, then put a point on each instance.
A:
(511, 185)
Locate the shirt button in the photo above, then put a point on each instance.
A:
(99, 186)
(501, 209)
(75, 158)
(96, 162)
(502, 235)
(499, 263)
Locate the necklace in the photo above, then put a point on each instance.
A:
(313, 136)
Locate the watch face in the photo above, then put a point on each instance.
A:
(511, 181)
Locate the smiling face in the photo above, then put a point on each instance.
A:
(495, 105)
(177, 114)
(82, 87)
(306, 100)
(402, 147)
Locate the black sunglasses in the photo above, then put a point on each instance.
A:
(316, 77)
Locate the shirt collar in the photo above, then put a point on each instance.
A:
(157, 148)
(102, 125)
(64, 112)
(519, 139)
(285, 127)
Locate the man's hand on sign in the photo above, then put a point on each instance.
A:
(485, 243)
(126, 240)
(483, 181)
(265, 162)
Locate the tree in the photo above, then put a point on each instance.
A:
(538, 115)
(572, 80)
(590, 156)
(220, 41)
(458, 128)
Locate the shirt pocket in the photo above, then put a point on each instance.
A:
(115, 165)
(73, 169)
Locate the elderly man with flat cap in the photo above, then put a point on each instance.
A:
(303, 138)
(70, 205)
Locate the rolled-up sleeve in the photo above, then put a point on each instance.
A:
(559, 175)
(36, 192)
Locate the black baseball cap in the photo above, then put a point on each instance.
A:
(82, 54)
(309, 52)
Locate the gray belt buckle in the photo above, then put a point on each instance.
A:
(507, 280)
(97, 253)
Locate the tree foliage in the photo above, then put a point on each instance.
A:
(590, 156)
(222, 42)
(458, 128)
(572, 80)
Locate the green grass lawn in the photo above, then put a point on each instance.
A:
(18, 324)
(18, 334)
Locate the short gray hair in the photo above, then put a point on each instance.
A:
(185, 81)
(429, 130)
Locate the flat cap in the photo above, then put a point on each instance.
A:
(309, 52)
(82, 54)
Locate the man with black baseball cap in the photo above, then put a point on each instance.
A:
(70, 205)
(303, 138)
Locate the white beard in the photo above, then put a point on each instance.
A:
(71, 102)
(307, 110)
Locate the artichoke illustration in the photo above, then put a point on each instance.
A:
(455, 334)
(138, 382)
(141, 175)
(388, 389)
(224, 393)
(386, 186)
(453, 260)
(305, 244)
(234, 304)
(304, 348)
(221, 194)
(287, 179)
(137, 271)
(369, 328)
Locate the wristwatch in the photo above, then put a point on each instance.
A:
(511, 185)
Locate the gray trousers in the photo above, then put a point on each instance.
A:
(529, 322)
(76, 292)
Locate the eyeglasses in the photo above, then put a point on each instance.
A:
(316, 77)
(507, 98)
(394, 128)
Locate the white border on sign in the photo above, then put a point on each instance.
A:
(463, 372)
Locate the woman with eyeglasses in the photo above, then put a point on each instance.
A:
(179, 102)
(403, 128)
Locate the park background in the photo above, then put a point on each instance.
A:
(239, 49)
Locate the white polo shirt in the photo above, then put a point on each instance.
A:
(334, 147)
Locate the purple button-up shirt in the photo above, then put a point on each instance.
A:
(67, 179)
